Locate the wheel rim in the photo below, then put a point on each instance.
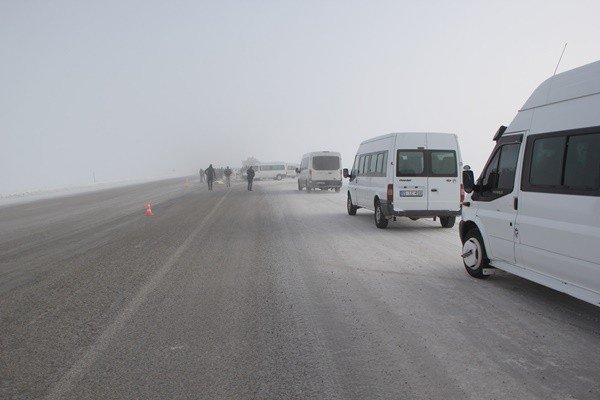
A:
(378, 213)
(472, 253)
(349, 203)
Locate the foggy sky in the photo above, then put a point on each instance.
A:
(130, 89)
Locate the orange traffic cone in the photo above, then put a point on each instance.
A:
(148, 210)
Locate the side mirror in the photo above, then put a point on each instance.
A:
(345, 173)
(468, 180)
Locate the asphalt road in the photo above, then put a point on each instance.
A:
(268, 294)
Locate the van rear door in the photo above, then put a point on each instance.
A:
(326, 167)
(444, 184)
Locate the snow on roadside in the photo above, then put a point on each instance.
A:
(29, 196)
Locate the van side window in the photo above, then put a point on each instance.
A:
(546, 161)
(498, 179)
(367, 164)
(443, 163)
(410, 163)
(381, 164)
(566, 162)
(361, 165)
(582, 163)
(373, 165)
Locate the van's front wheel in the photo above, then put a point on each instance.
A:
(447, 222)
(350, 207)
(380, 220)
(474, 255)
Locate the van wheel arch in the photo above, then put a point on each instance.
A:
(375, 201)
(466, 227)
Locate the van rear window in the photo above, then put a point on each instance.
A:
(424, 163)
(326, 163)
(443, 162)
(410, 163)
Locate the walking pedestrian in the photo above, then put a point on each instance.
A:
(250, 175)
(227, 173)
(210, 176)
(201, 172)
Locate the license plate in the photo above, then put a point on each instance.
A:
(411, 193)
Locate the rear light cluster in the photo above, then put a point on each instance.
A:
(462, 193)
(390, 193)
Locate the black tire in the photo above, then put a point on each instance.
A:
(350, 207)
(308, 188)
(474, 254)
(299, 185)
(380, 220)
(447, 222)
(278, 178)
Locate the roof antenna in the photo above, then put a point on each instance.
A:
(560, 59)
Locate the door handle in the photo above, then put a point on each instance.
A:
(434, 190)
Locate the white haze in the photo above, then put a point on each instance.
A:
(130, 89)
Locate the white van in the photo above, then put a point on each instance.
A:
(320, 169)
(272, 170)
(410, 174)
(535, 209)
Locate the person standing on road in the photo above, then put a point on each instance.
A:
(250, 175)
(210, 176)
(201, 172)
(227, 173)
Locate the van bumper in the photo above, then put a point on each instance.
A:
(325, 184)
(388, 211)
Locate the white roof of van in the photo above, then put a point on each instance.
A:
(387, 135)
(323, 152)
(575, 83)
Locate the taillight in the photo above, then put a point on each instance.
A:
(341, 176)
(462, 192)
(390, 193)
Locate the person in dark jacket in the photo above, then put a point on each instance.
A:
(210, 176)
(250, 175)
(227, 174)
(201, 172)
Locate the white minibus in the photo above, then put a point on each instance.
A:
(535, 209)
(411, 174)
(271, 170)
(320, 169)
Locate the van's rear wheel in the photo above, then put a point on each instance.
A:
(447, 222)
(380, 220)
(299, 185)
(474, 255)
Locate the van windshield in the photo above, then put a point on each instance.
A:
(326, 163)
